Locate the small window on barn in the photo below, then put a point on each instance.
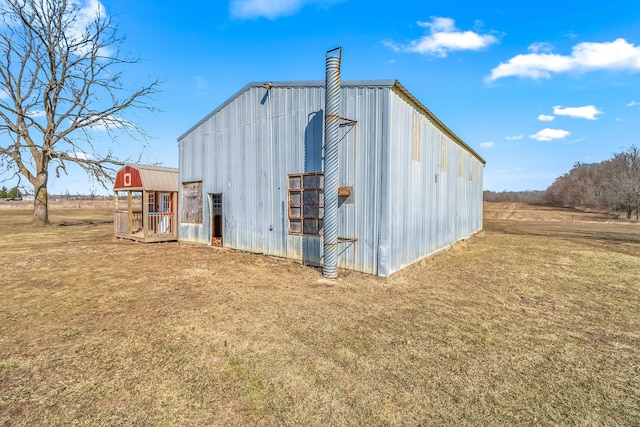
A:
(306, 203)
(127, 179)
(192, 202)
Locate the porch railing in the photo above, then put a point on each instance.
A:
(160, 224)
(122, 222)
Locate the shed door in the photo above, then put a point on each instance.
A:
(164, 204)
(216, 218)
(164, 207)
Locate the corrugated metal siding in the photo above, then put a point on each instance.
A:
(432, 205)
(360, 168)
(246, 149)
(404, 206)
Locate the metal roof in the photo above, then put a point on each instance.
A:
(156, 178)
(390, 83)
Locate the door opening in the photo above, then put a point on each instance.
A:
(163, 219)
(216, 218)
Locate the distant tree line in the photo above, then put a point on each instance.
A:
(535, 196)
(14, 193)
(613, 184)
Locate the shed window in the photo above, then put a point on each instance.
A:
(306, 203)
(151, 205)
(217, 203)
(192, 202)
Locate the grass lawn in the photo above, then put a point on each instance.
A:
(533, 321)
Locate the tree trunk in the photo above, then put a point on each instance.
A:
(41, 202)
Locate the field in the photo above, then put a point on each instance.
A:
(533, 321)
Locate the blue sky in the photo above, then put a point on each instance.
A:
(532, 86)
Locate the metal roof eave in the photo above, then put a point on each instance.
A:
(149, 167)
(129, 189)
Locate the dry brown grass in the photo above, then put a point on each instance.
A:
(529, 322)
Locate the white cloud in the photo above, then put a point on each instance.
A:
(3, 95)
(631, 104)
(540, 47)
(36, 113)
(79, 17)
(547, 134)
(514, 137)
(80, 155)
(486, 144)
(618, 119)
(443, 38)
(533, 65)
(271, 9)
(616, 55)
(545, 118)
(588, 112)
(88, 12)
(391, 45)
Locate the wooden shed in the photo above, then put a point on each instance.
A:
(146, 201)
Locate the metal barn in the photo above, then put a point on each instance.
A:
(150, 196)
(251, 176)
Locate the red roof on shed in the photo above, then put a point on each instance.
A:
(145, 177)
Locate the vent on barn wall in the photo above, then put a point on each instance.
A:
(331, 125)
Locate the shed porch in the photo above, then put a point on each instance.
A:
(146, 201)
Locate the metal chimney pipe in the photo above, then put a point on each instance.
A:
(331, 125)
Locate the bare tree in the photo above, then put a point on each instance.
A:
(627, 167)
(61, 74)
(611, 184)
